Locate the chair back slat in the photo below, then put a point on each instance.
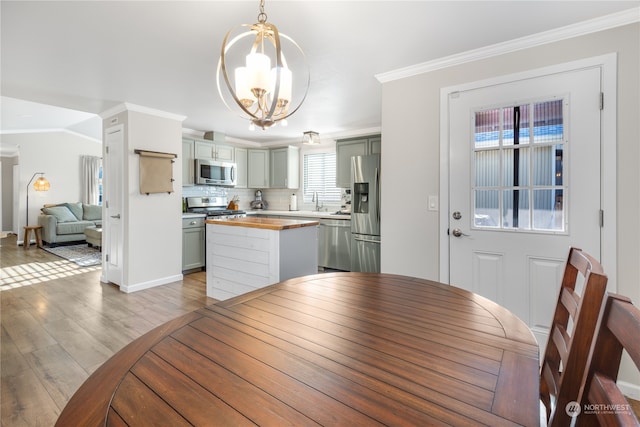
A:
(572, 330)
(571, 301)
(601, 401)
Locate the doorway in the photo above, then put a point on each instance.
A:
(527, 160)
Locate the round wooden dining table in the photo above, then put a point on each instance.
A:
(333, 349)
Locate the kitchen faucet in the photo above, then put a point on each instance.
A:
(315, 198)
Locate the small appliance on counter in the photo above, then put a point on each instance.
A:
(258, 203)
(233, 204)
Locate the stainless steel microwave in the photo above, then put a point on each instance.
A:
(213, 172)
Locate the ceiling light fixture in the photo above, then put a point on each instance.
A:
(264, 94)
(310, 138)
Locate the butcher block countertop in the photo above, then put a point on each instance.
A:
(264, 223)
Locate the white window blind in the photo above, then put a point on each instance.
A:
(320, 176)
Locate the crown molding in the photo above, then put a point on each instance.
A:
(595, 25)
(125, 106)
(50, 130)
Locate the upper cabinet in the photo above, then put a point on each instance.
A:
(210, 150)
(243, 166)
(347, 148)
(285, 168)
(258, 168)
(188, 173)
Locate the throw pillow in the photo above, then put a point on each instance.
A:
(92, 212)
(75, 208)
(62, 213)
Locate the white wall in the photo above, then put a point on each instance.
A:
(411, 153)
(57, 154)
(152, 223)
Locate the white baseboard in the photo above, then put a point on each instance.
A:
(151, 284)
(630, 390)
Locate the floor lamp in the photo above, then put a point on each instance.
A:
(41, 184)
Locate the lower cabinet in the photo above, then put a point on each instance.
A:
(193, 243)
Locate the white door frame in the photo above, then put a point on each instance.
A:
(608, 198)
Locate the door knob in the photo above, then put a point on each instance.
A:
(458, 233)
(115, 216)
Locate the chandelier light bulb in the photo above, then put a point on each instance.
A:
(242, 87)
(258, 69)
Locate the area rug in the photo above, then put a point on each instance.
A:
(82, 254)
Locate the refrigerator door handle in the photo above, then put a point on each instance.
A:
(363, 239)
(378, 195)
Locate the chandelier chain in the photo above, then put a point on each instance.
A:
(262, 17)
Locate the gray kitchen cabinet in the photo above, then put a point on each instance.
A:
(285, 168)
(193, 243)
(210, 150)
(243, 166)
(188, 155)
(347, 148)
(258, 168)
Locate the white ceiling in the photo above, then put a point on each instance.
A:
(90, 56)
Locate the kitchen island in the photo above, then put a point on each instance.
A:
(245, 254)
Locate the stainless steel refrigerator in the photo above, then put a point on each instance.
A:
(365, 213)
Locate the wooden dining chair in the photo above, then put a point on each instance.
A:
(601, 401)
(572, 330)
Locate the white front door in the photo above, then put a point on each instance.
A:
(524, 166)
(114, 188)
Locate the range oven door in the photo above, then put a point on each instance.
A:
(213, 172)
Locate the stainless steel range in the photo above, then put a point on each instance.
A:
(215, 207)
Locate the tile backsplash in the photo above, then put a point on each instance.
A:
(277, 199)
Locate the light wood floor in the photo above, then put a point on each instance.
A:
(59, 323)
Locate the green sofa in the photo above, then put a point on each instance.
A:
(65, 222)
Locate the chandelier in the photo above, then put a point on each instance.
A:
(263, 94)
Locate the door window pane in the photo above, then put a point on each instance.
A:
(509, 117)
(487, 168)
(548, 122)
(547, 165)
(509, 167)
(548, 209)
(518, 218)
(487, 208)
(517, 185)
(487, 129)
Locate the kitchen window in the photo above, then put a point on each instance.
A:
(519, 159)
(320, 176)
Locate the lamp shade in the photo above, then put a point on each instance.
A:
(41, 184)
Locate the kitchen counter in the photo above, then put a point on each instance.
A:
(305, 214)
(263, 223)
(245, 254)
